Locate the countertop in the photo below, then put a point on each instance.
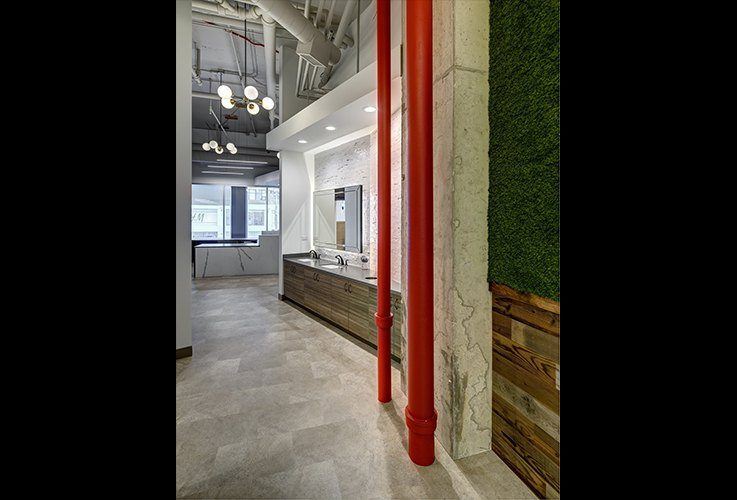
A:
(352, 273)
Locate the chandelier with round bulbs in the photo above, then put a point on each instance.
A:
(213, 145)
(250, 100)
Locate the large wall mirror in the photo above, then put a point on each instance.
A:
(336, 218)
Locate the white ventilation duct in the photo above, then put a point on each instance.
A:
(313, 46)
(350, 6)
(270, 50)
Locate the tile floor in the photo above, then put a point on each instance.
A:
(277, 404)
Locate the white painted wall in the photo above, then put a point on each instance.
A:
(183, 93)
(289, 103)
(297, 181)
(270, 179)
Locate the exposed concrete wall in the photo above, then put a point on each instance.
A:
(183, 91)
(460, 167)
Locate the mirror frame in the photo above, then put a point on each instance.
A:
(358, 189)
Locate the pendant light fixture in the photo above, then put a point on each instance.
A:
(250, 100)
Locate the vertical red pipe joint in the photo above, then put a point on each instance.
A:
(383, 317)
(420, 412)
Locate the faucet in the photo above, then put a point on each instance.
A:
(314, 254)
(341, 260)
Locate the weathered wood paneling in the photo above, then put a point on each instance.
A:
(526, 390)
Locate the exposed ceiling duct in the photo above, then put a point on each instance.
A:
(313, 46)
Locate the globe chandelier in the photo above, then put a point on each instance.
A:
(250, 99)
(213, 145)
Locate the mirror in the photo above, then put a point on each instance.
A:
(336, 218)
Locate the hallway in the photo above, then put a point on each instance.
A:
(277, 404)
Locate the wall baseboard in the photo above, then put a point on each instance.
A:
(184, 352)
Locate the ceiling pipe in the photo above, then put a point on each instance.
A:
(329, 20)
(313, 45)
(347, 17)
(270, 50)
(299, 64)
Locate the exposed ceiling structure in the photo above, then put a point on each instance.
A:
(231, 46)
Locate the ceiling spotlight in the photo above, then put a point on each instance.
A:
(213, 144)
(250, 92)
(267, 103)
(252, 107)
(227, 103)
(369, 109)
(219, 150)
(330, 127)
(206, 146)
(225, 92)
(302, 141)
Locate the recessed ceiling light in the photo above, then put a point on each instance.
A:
(329, 127)
(221, 173)
(369, 109)
(302, 141)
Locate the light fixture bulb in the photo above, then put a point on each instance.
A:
(206, 146)
(252, 108)
(278, 154)
(225, 92)
(219, 150)
(227, 103)
(234, 150)
(369, 109)
(213, 144)
(267, 103)
(250, 92)
(330, 127)
(230, 146)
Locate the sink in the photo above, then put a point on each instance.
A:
(306, 260)
(331, 266)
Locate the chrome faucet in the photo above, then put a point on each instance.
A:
(341, 260)
(314, 254)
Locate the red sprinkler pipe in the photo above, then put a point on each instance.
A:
(420, 412)
(383, 316)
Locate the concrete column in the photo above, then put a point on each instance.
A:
(183, 92)
(463, 345)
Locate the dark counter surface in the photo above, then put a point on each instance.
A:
(352, 273)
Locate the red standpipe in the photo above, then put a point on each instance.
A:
(420, 412)
(383, 316)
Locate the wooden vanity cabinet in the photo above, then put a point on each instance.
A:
(349, 304)
(318, 292)
(294, 282)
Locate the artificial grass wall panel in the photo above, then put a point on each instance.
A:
(524, 146)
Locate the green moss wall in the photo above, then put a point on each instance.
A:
(524, 146)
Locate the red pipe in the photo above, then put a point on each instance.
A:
(383, 316)
(420, 411)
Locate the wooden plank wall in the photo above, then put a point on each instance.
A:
(526, 387)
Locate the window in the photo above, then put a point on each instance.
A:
(214, 206)
(208, 214)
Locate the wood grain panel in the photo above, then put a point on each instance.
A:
(535, 411)
(531, 478)
(501, 324)
(528, 298)
(529, 383)
(538, 366)
(538, 341)
(528, 429)
(538, 461)
(525, 403)
(537, 318)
